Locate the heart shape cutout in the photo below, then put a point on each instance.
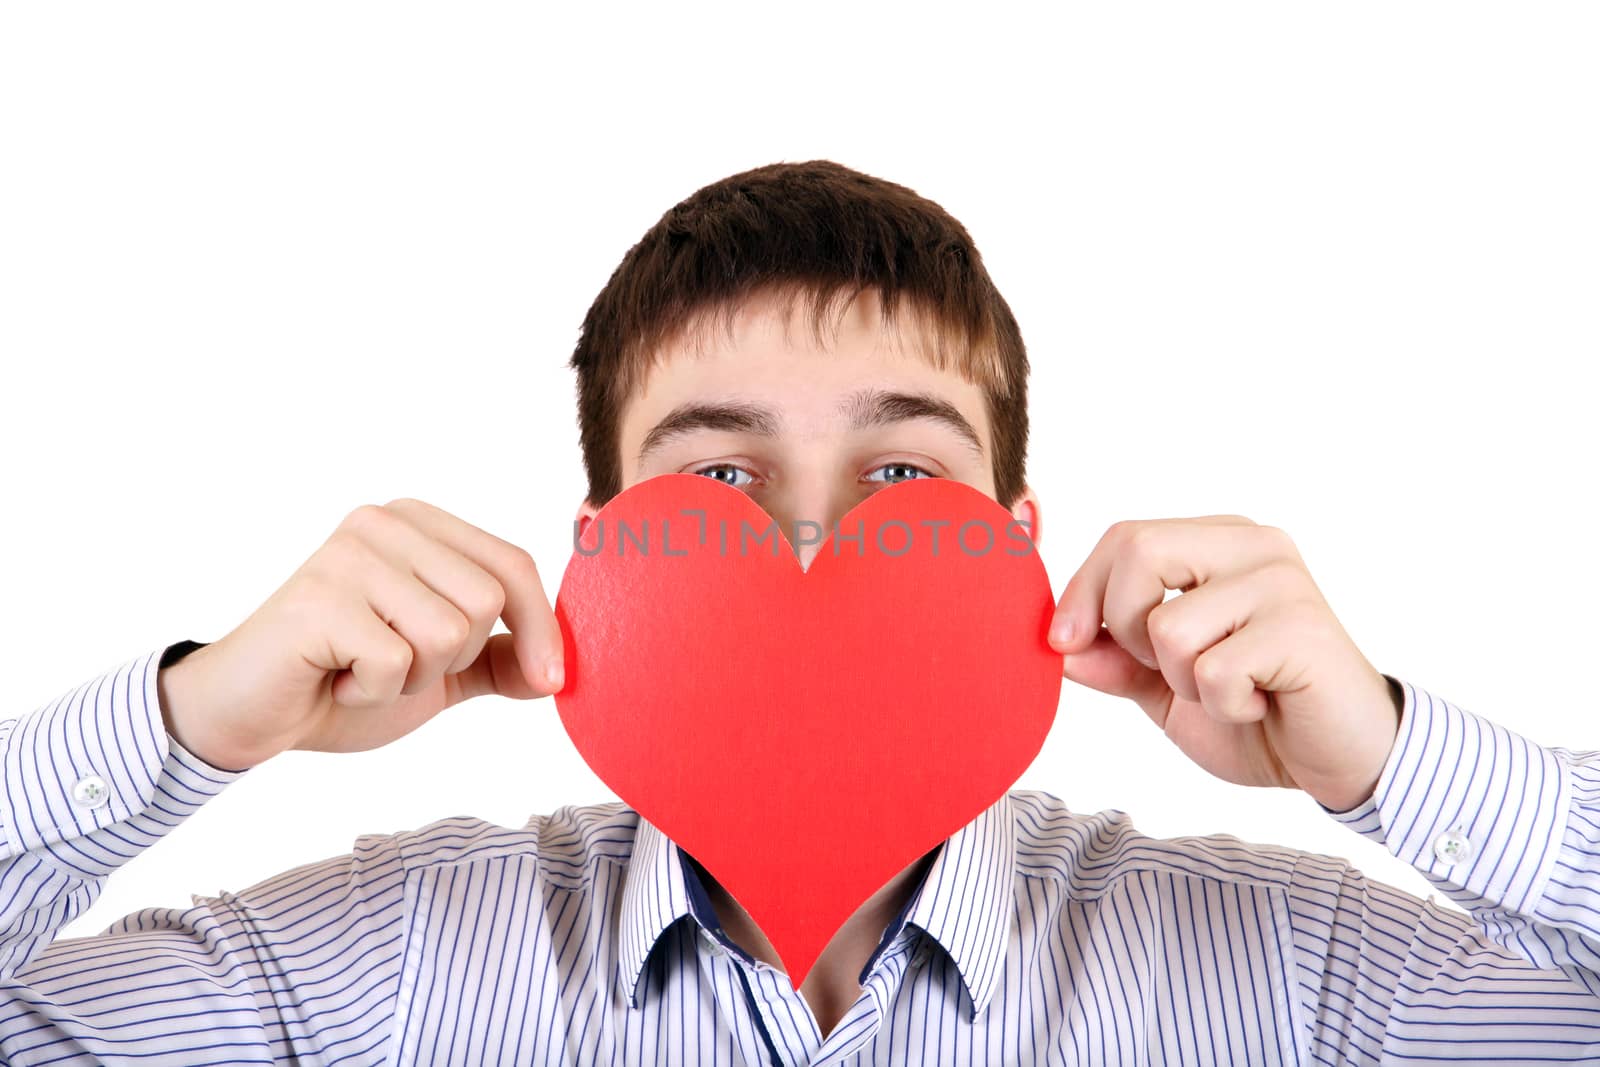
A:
(806, 734)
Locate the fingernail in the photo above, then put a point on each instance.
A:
(1061, 632)
(1148, 661)
(553, 675)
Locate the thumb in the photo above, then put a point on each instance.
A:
(498, 672)
(1108, 667)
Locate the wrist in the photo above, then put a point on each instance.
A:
(171, 694)
(175, 692)
(1347, 800)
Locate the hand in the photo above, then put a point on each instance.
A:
(386, 625)
(1247, 670)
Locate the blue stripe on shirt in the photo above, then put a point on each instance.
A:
(1038, 935)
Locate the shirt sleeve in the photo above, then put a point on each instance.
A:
(1508, 830)
(304, 964)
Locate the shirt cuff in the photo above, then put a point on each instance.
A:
(1478, 809)
(97, 756)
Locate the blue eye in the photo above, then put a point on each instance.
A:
(888, 473)
(727, 474)
(898, 472)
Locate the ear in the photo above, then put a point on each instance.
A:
(586, 513)
(1026, 510)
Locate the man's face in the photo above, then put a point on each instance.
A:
(808, 432)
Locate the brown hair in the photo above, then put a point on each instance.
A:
(816, 229)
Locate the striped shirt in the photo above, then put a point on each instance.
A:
(1037, 935)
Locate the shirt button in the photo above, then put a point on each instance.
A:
(1452, 847)
(91, 791)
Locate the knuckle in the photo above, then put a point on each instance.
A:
(1210, 671)
(1165, 626)
(450, 632)
(362, 518)
(396, 658)
(1279, 539)
(1119, 529)
(487, 602)
(1140, 542)
(522, 563)
(403, 504)
(344, 550)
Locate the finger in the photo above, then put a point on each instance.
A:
(371, 658)
(433, 627)
(1175, 556)
(1106, 666)
(1078, 614)
(495, 672)
(469, 588)
(1227, 674)
(527, 613)
(1185, 626)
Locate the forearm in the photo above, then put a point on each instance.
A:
(1487, 815)
(1506, 828)
(302, 967)
(90, 780)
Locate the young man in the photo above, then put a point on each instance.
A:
(1032, 935)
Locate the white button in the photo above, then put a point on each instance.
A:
(713, 944)
(1452, 847)
(91, 791)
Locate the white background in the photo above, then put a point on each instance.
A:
(1333, 268)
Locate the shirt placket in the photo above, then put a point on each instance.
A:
(865, 1018)
(781, 1028)
(773, 1023)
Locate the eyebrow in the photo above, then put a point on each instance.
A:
(863, 409)
(877, 407)
(730, 417)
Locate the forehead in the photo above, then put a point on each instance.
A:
(767, 350)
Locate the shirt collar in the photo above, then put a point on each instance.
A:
(966, 902)
(962, 903)
(654, 896)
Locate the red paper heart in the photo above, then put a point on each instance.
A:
(806, 734)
